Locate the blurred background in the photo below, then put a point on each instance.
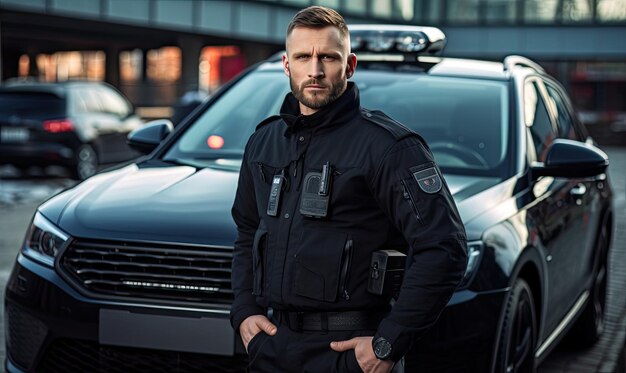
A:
(165, 56)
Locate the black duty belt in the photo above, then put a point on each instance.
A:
(329, 321)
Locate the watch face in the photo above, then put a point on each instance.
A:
(382, 348)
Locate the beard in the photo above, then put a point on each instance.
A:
(317, 100)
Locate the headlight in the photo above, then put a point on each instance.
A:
(43, 240)
(474, 253)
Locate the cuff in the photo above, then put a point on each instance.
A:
(397, 335)
(237, 315)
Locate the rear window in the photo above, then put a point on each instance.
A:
(31, 105)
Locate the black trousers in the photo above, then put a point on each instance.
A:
(302, 352)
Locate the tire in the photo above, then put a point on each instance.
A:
(86, 162)
(590, 325)
(518, 336)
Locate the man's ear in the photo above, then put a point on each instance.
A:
(351, 65)
(286, 65)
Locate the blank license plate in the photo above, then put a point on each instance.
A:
(13, 134)
(164, 332)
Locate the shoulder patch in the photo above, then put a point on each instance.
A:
(428, 180)
(267, 121)
(397, 129)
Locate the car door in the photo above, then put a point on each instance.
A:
(116, 122)
(554, 213)
(584, 195)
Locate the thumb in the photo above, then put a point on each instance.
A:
(341, 346)
(268, 327)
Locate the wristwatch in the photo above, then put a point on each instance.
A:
(382, 348)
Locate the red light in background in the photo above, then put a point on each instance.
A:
(215, 142)
(59, 125)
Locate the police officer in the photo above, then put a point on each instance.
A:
(324, 186)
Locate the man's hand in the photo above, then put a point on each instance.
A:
(364, 353)
(253, 325)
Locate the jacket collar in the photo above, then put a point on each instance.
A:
(337, 112)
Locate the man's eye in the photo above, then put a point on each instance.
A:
(328, 58)
(302, 58)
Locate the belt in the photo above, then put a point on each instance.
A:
(329, 321)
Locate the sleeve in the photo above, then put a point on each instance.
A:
(246, 218)
(411, 191)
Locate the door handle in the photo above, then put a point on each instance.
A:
(578, 191)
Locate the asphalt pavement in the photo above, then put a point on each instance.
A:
(20, 196)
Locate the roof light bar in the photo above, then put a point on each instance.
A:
(390, 39)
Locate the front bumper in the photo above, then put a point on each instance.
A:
(51, 327)
(40, 153)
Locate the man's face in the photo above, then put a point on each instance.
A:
(318, 64)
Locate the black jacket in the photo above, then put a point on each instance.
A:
(385, 193)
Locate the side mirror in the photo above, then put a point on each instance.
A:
(568, 158)
(148, 137)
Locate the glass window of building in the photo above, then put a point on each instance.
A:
(611, 10)
(573, 11)
(356, 7)
(540, 11)
(381, 8)
(298, 2)
(501, 11)
(462, 11)
(329, 3)
(406, 8)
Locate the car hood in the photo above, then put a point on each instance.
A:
(165, 203)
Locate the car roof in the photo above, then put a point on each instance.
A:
(437, 66)
(58, 88)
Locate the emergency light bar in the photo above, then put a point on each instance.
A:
(395, 40)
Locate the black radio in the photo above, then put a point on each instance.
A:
(386, 272)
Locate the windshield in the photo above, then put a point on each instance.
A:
(464, 121)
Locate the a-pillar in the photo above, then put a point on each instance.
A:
(112, 66)
(191, 48)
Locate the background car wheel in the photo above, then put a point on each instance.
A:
(516, 352)
(590, 325)
(86, 162)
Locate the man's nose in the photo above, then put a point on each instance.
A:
(316, 70)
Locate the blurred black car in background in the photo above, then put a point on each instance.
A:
(130, 270)
(77, 125)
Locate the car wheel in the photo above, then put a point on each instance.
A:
(590, 325)
(86, 162)
(516, 352)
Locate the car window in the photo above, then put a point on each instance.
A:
(565, 122)
(112, 102)
(31, 105)
(537, 119)
(465, 121)
(91, 101)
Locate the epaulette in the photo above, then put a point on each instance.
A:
(397, 129)
(266, 121)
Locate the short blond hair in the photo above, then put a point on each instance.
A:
(318, 17)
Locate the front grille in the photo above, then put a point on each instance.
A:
(158, 271)
(69, 355)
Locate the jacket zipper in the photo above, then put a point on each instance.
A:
(345, 271)
(407, 196)
(260, 165)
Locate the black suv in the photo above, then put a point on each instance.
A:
(130, 270)
(78, 125)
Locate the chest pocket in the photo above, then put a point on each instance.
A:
(318, 263)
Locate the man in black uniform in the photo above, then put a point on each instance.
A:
(322, 187)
